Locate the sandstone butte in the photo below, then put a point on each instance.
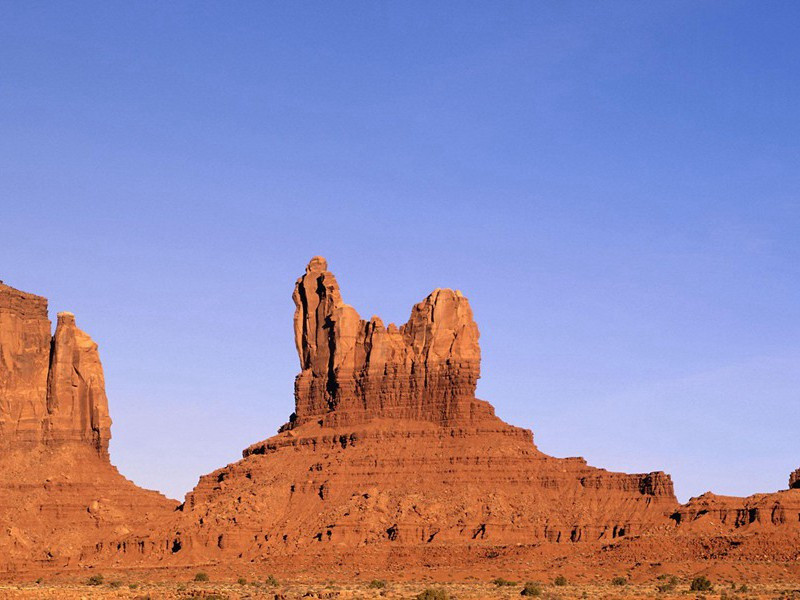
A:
(388, 465)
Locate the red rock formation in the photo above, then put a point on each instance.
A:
(59, 494)
(794, 479)
(389, 451)
(24, 358)
(77, 406)
(354, 370)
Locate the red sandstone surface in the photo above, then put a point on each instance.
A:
(58, 491)
(389, 464)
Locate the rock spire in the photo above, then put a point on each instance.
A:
(354, 369)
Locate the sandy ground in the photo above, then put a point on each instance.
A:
(379, 589)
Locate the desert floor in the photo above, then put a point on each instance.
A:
(672, 588)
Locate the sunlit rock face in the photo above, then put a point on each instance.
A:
(389, 452)
(354, 370)
(59, 494)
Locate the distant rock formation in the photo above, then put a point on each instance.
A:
(52, 390)
(390, 452)
(24, 360)
(389, 465)
(59, 494)
(354, 370)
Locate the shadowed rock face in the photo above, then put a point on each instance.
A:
(354, 370)
(794, 479)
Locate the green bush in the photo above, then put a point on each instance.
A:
(377, 584)
(531, 588)
(95, 580)
(241, 581)
(500, 582)
(560, 580)
(619, 580)
(201, 576)
(272, 581)
(433, 594)
(700, 584)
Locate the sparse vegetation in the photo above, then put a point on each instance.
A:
(619, 580)
(201, 577)
(669, 583)
(700, 584)
(433, 594)
(500, 582)
(241, 581)
(115, 585)
(272, 581)
(95, 580)
(560, 581)
(531, 588)
(377, 584)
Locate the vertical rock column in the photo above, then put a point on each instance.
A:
(24, 355)
(76, 399)
(354, 370)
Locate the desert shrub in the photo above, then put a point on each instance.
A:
(500, 582)
(115, 585)
(377, 584)
(241, 581)
(133, 586)
(95, 580)
(670, 582)
(433, 594)
(271, 580)
(700, 584)
(560, 580)
(619, 580)
(201, 576)
(744, 589)
(531, 588)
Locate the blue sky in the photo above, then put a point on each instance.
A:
(614, 185)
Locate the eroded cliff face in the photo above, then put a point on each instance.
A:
(390, 452)
(77, 406)
(354, 370)
(59, 494)
(24, 360)
(52, 390)
(794, 479)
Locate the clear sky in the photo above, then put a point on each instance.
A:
(614, 185)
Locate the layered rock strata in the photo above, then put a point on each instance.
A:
(59, 494)
(354, 370)
(389, 451)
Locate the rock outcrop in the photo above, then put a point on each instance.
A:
(52, 390)
(59, 494)
(390, 452)
(794, 479)
(24, 360)
(77, 406)
(354, 370)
